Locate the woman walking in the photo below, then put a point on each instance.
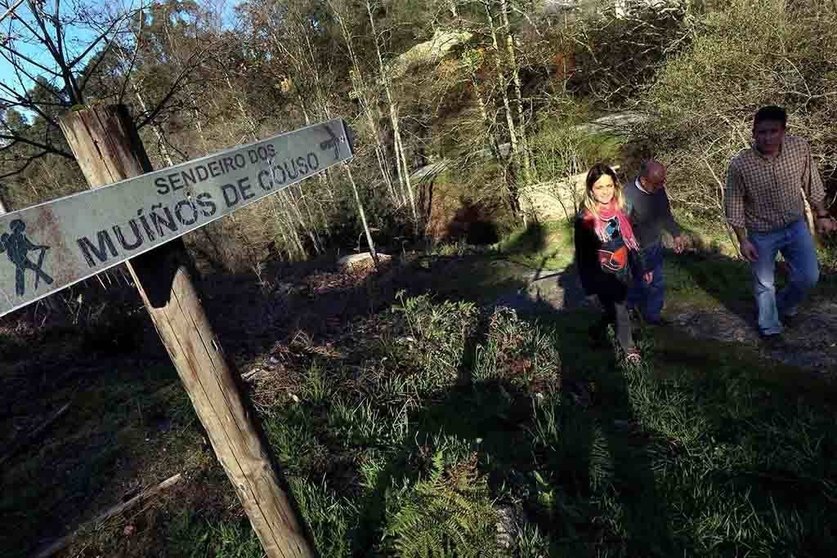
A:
(607, 253)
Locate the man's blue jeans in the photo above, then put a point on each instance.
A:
(648, 298)
(797, 246)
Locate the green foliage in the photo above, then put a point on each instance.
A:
(448, 513)
(541, 245)
(531, 543)
(190, 536)
(563, 147)
(616, 57)
(744, 55)
(389, 436)
(293, 433)
(519, 353)
(436, 340)
(707, 449)
(329, 516)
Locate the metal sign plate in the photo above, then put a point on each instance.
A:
(48, 247)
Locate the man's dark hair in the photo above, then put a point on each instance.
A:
(645, 166)
(771, 113)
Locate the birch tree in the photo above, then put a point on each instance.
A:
(402, 166)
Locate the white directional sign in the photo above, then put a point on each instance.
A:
(48, 247)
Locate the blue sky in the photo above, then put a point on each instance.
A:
(77, 38)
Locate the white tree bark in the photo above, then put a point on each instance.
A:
(501, 82)
(521, 115)
(362, 213)
(401, 160)
(361, 90)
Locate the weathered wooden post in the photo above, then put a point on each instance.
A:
(108, 149)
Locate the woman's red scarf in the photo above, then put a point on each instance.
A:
(606, 213)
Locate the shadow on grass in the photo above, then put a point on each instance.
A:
(580, 457)
(726, 281)
(648, 462)
(707, 271)
(599, 465)
(127, 399)
(119, 414)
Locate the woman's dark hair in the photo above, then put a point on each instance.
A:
(597, 171)
(771, 113)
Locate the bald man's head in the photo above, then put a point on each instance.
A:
(652, 175)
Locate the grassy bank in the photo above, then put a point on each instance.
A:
(441, 426)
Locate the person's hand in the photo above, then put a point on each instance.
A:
(590, 300)
(648, 276)
(825, 225)
(679, 244)
(749, 251)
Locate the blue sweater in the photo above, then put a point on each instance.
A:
(650, 214)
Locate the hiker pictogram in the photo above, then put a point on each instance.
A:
(17, 248)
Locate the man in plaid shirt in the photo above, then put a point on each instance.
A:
(765, 206)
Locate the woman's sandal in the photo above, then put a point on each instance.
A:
(633, 357)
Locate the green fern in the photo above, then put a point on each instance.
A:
(447, 514)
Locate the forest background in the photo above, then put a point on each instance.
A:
(470, 116)
(476, 421)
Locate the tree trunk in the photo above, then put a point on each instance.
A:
(509, 177)
(393, 114)
(108, 149)
(359, 87)
(493, 143)
(521, 114)
(158, 133)
(401, 157)
(362, 213)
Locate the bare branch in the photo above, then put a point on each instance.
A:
(91, 70)
(133, 60)
(103, 35)
(56, 22)
(44, 37)
(29, 104)
(11, 10)
(5, 50)
(29, 161)
(15, 138)
(175, 87)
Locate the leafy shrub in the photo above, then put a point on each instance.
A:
(520, 353)
(448, 513)
(745, 55)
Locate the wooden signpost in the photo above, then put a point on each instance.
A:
(55, 244)
(139, 219)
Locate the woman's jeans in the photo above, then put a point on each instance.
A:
(795, 243)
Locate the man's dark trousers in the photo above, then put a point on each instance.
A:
(648, 298)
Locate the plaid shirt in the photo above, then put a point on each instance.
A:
(765, 194)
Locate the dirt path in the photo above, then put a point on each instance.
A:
(810, 344)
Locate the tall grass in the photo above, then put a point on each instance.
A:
(441, 428)
(717, 455)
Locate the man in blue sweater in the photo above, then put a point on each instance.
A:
(650, 214)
